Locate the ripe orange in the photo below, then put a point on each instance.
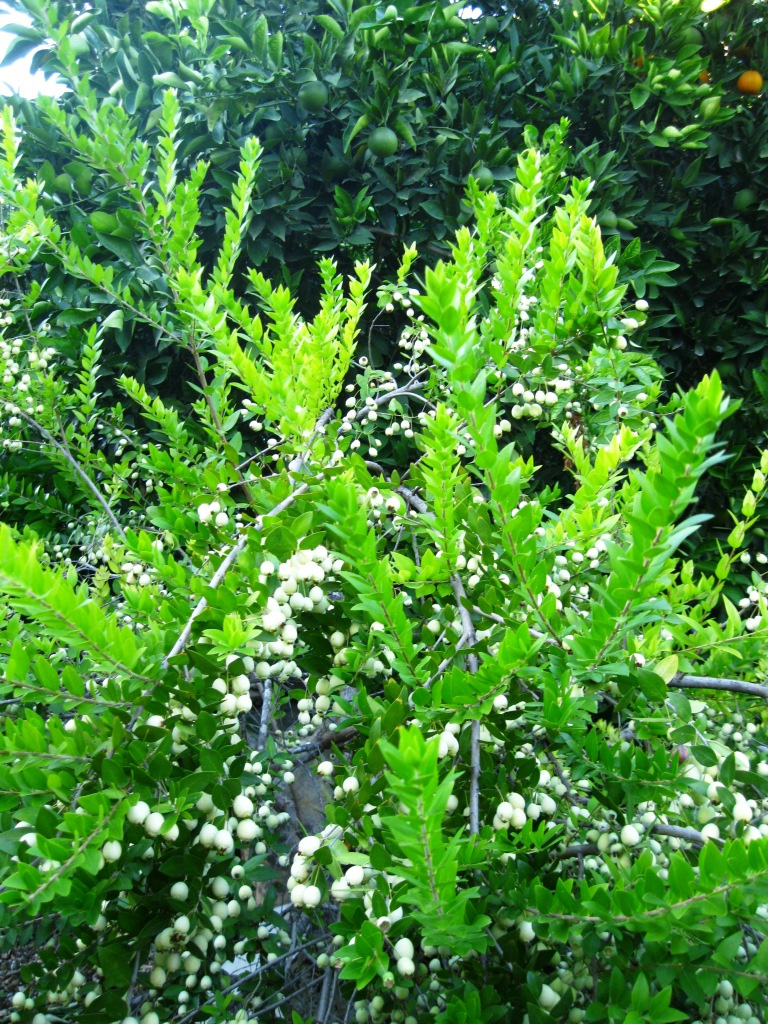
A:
(704, 77)
(750, 83)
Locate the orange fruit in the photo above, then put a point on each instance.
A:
(750, 83)
(691, 36)
(483, 176)
(382, 142)
(313, 96)
(744, 199)
(704, 77)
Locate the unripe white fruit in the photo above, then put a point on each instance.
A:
(629, 837)
(220, 887)
(157, 977)
(518, 818)
(242, 806)
(180, 891)
(228, 705)
(111, 851)
(404, 948)
(299, 869)
(224, 842)
(547, 804)
(153, 823)
(505, 810)
(741, 810)
(406, 967)
(309, 845)
(297, 894)
(312, 896)
(526, 932)
(350, 785)
(548, 998)
(181, 925)
(247, 830)
(340, 889)
(137, 815)
(208, 834)
(355, 875)
(240, 685)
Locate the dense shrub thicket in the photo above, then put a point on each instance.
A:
(355, 665)
(319, 679)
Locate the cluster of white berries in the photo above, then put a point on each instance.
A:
(212, 511)
(17, 380)
(136, 573)
(533, 395)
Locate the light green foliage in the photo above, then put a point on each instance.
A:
(536, 808)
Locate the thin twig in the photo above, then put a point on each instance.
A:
(266, 712)
(468, 631)
(64, 452)
(299, 461)
(254, 974)
(688, 835)
(323, 742)
(577, 797)
(327, 995)
(221, 572)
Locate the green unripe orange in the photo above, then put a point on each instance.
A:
(382, 142)
(313, 96)
(484, 177)
(691, 36)
(743, 199)
(608, 219)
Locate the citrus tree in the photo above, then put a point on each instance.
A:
(320, 699)
(372, 117)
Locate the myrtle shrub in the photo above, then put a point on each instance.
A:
(320, 699)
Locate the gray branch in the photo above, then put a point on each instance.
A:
(686, 682)
(468, 636)
(66, 454)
